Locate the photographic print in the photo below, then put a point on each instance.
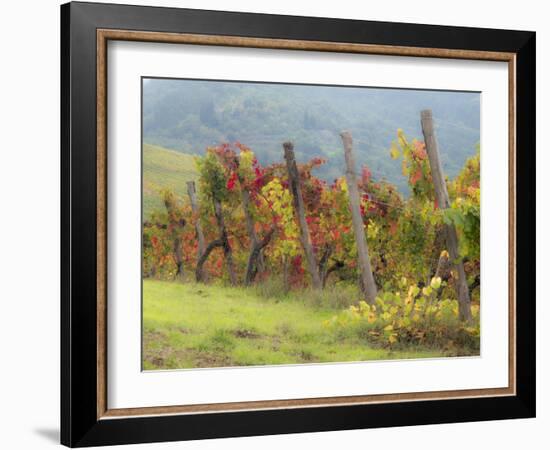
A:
(303, 224)
(272, 224)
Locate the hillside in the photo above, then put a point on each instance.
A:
(163, 168)
(189, 115)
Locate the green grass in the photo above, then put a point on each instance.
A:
(187, 325)
(164, 168)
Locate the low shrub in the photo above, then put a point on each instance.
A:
(410, 317)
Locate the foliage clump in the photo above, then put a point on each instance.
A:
(410, 317)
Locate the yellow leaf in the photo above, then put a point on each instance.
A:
(413, 291)
(394, 151)
(344, 186)
(436, 283)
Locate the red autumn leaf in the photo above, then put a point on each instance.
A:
(420, 150)
(297, 261)
(317, 161)
(231, 181)
(417, 176)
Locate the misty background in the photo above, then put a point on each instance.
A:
(190, 115)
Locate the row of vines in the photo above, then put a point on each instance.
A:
(248, 223)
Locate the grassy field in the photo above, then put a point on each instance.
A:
(163, 168)
(190, 325)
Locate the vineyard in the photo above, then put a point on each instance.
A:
(247, 264)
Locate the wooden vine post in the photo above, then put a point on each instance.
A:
(367, 284)
(442, 197)
(298, 203)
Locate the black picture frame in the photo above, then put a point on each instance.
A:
(79, 349)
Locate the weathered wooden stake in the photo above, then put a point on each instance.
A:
(442, 197)
(366, 280)
(298, 203)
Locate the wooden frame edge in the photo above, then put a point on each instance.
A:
(303, 403)
(290, 44)
(103, 36)
(512, 272)
(101, 225)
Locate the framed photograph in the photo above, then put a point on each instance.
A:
(277, 224)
